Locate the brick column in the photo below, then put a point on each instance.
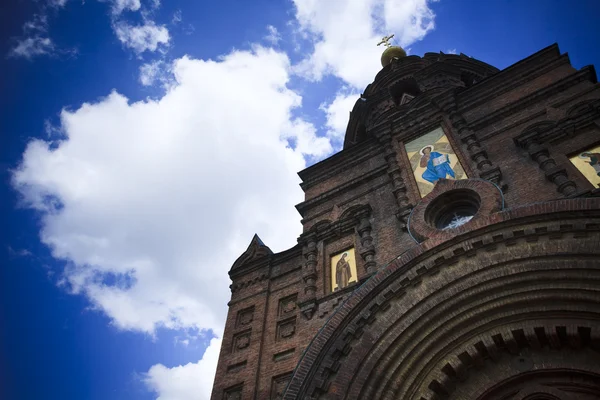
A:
(367, 250)
(477, 153)
(553, 172)
(399, 187)
(308, 302)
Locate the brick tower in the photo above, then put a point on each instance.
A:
(451, 250)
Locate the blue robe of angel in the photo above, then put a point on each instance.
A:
(438, 167)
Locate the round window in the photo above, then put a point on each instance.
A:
(455, 219)
(453, 209)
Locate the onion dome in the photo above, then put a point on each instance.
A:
(390, 53)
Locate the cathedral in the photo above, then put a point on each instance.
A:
(451, 250)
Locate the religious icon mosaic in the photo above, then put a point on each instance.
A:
(343, 270)
(588, 163)
(431, 158)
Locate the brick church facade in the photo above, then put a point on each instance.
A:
(451, 250)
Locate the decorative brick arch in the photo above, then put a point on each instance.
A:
(517, 284)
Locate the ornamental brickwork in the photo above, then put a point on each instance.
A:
(480, 283)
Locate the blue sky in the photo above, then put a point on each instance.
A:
(144, 142)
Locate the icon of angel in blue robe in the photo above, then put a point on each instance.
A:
(437, 165)
(594, 160)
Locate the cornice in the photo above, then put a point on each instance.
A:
(336, 191)
(267, 261)
(511, 77)
(338, 163)
(362, 194)
(236, 286)
(469, 101)
(583, 74)
(413, 116)
(253, 266)
(285, 255)
(541, 113)
(580, 116)
(326, 230)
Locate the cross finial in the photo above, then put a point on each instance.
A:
(386, 40)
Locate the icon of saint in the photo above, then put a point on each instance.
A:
(437, 165)
(342, 272)
(594, 160)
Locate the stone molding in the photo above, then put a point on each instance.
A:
(338, 190)
(583, 75)
(247, 283)
(348, 220)
(338, 163)
(488, 89)
(578, 118)
(534, 140)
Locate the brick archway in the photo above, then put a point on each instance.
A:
(520, 282)
(549, 383)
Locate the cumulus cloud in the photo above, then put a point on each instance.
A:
(149, 203)
(338, 113)
(141, 38)
(192, 381)
(351, 53)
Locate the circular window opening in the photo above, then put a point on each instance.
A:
(453, 209)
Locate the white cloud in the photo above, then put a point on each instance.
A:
(151, 202)
(345, 34)
(140, 38)
(57, 3)
(273, 37)
(31, 47)
(118, 6)
(192, 381)
(39, 24)
(338, 113)
(305, 141)
(152, 72)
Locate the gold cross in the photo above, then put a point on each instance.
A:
(386, 40)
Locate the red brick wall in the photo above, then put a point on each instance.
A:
(277, 339)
